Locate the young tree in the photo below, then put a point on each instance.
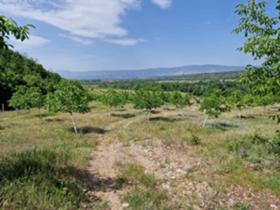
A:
(237, 99)
(114, 98)
(69, 97)
(213, 103)
(180, 100)
(27, 98)
(35, 98)
(19, 100)
(147, 100)
(8, 27)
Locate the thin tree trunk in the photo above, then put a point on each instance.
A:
(74, 123)
(239, 113)
(205, 121)
(3, 108)
(40, 114)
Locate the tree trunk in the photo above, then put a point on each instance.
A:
(205, 121)
(239, 113)
(40, 114)
(74, 123)
(3, 108)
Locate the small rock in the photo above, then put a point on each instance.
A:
(273, 206)
(166, 186)
(125, 205)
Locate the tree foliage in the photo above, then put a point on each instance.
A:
(8, 27)
(148, 100)
(262, 35)
(180, 100)
(69, 97)
(113, 98)
(18, 70)
(213, 103)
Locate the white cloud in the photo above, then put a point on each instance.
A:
(83, 20)
(81, 40)
(31, 43)
(164, 4)
(125, 42)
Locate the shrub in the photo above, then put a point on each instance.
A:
(195, 140)
(274, 145)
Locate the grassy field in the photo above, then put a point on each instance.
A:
(128, 159)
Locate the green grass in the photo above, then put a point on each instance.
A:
(39, 179)
(135, 173)
(41, 161)
(150, 199)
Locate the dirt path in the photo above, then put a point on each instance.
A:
(112, 154)
(170, 165)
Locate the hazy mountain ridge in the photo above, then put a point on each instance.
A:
(147, 73)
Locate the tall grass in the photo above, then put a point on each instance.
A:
(39, 179)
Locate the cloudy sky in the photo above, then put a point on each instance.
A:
(85, 35)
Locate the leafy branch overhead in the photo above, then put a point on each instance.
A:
(8, 27)
(262, 35)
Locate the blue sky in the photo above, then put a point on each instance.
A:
(85, 35)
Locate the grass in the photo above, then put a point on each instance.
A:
(136, 174)
(139, 199)
(40, 161)
(39, 178)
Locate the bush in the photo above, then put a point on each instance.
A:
(195, 140)
(274, 145)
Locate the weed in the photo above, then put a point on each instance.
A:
(136, 173)
(229, 164)
(274, 145)
(272, 181)
(240, 206)
(195, 140)
(146, 199)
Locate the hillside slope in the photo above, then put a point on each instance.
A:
(16, 69)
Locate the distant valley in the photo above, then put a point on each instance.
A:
(148, 73)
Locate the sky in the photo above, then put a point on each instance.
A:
(90, 35)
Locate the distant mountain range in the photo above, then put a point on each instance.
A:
(148, 73)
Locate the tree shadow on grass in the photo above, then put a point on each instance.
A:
(50, 169)
(96, 183)
(53, 120)
(245, 117)
(123, 115)
(89, 129)
(224, 126)
(165, 119)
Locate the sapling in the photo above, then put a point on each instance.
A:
(180, 100)
(69, 97)
(213, 104)
(148, 100)
(19, 101)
